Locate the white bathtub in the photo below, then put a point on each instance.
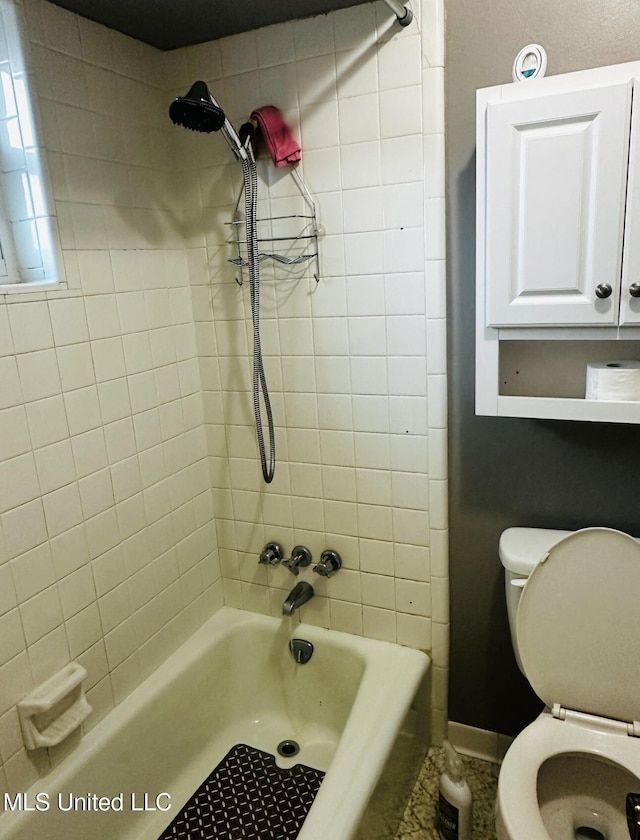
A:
(234, 681)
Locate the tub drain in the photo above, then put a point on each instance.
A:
(288, 748)
(586, 832)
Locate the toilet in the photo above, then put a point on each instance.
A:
(573, 601)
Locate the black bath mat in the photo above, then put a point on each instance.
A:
(248, 797)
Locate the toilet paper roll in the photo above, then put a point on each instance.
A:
(614, 380)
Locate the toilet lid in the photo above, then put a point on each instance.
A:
(578, 625)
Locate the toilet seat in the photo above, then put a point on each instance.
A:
(543, 739)
(578, 626)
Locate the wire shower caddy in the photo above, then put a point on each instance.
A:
(293, 250)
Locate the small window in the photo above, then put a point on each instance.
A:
(29, 258)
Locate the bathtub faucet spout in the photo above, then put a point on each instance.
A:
(299, 595)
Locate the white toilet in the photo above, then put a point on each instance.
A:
(574, 609)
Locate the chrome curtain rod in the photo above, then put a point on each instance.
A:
(404, 15)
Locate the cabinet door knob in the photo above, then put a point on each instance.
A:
(634, 290)
(603, 290)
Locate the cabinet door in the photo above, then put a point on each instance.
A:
(630, 289)
(556, 181)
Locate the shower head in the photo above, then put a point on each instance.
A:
(198, 111)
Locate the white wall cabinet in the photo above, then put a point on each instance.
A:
(558, 241)
(556, 183)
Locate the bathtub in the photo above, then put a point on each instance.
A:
(234, 681)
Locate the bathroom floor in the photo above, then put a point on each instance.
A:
(418, 820)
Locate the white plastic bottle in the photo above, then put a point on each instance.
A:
(455, 815)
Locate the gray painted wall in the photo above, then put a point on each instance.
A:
(508, 471)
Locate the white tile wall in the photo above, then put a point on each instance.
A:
(357, 364)
(107, 544)
(127, 453)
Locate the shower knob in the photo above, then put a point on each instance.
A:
(603, 290)
(634, 290)
(300, 557)
(330, 562)
(271, 554)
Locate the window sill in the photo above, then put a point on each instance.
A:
(29, 288)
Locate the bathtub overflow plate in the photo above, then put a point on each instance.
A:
(301, 650)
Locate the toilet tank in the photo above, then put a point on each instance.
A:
(520, 550)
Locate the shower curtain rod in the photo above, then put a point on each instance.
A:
(404, 15)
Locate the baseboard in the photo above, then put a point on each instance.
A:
(479, 743)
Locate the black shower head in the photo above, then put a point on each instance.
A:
(197, 110)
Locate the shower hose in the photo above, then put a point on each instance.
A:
(250, 176)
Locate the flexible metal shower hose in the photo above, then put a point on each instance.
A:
(250, 175)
